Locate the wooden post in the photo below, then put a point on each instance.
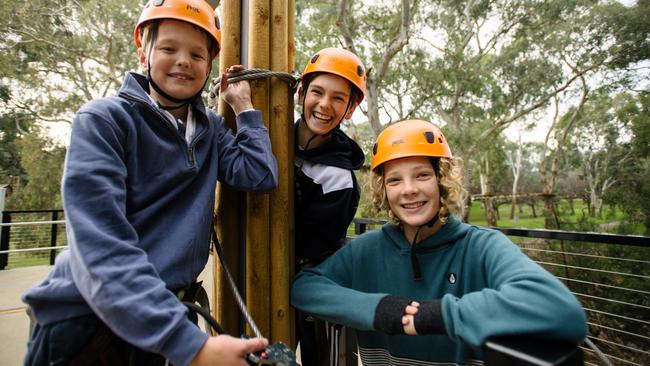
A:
(281, 199)
(258, 281)
(229, 202)
(267, 263)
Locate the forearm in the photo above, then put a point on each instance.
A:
(246, 159)
(323, 298)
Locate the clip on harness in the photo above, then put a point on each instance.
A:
(278, 354)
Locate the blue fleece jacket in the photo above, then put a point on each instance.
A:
(138, 202)
(486, 285)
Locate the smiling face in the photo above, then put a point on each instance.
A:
(412, 191)
(180, 60)
(326, 103)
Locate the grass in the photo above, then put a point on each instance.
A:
(578, 219)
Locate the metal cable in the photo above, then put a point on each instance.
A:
(252, 74)
(600, 354)
(240, 302)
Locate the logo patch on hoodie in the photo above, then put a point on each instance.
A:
(452, 278)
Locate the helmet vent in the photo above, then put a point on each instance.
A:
(374, 149)
(359, 70)
(313, 59)
(158, 2)
(441, 140)
(429, 136)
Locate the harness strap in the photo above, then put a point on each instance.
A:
(104, 347)
(101, 348)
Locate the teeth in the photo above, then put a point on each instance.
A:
(321, 116)
(413, 205)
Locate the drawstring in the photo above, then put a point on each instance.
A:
(415, 263)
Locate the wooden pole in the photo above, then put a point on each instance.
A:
(229, 202)
(281, 201)
(258, 288)
(265, 27)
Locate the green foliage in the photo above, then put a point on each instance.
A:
(631, 191)
(43, 164)
(57, 55)
(10, 165)
(631, 28)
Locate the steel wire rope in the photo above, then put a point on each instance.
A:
(252, 74)
(240, 302)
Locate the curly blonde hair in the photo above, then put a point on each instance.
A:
(449, 173)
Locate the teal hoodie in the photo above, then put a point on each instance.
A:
(486, 285)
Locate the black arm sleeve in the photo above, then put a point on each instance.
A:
(428, 319)
(388, 316)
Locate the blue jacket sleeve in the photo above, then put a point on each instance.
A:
(246, 159)
(112, 274)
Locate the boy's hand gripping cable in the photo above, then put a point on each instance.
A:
(250, 74)
(277, 354)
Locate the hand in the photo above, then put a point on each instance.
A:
(226, 350)
(237, 95)
(408, 320)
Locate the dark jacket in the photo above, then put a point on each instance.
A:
(327, 195)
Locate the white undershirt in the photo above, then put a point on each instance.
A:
(190, 124)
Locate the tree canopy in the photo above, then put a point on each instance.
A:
(476, 68)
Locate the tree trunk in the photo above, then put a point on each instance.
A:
(486, 187)
(532, 206)
(550, 214)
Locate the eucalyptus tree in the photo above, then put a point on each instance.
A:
(601, 142)
(11, 170)
(54, 57)
(377, 32)
(631, 191)
(514, 155)
(58, 54)
(42, 161)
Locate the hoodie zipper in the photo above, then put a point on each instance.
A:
(190, 147)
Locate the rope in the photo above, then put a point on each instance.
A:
(206, 315)
(252, 74)
(240, 302)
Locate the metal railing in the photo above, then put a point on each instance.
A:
(31, 237)
(608, 273)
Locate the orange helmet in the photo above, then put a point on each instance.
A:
(197, 12)
(339, 62)
(409, 138)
